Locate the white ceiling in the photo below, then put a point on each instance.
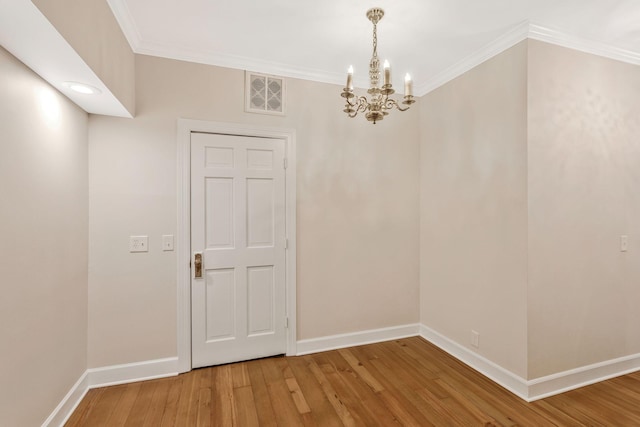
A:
(432, 39)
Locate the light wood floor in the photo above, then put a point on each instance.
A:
(404, 382)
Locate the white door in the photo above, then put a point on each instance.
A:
(238, 225)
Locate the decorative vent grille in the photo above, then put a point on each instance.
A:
(264, 94)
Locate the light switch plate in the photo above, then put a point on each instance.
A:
(138, 244)
(167, 242)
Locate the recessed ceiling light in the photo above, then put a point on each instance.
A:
(82, 88)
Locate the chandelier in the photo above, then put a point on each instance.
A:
(380, 103)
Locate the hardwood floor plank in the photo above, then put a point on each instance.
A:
(170, 409)
(158, 405)
(240, 375)
(404, 409)
(141, 405)
(261, 395)
(204, 408)
(125, 404)
(205, 399)
(407, 382)
(626, 399)
(332, 396)
(361, 370)
(224, 413)
(599, 410)
(105, 406)
(187, 396)
(79, 416)
(321, 409)
(394, 395)
(557, 415)
(401, 411)
(298, 397)
(629, 383)
(245, 404)
(405, 370)
(283, 406)
(454, 409)
(353, 391)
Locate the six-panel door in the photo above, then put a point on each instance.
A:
(238, 224)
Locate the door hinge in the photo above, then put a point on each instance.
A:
(286, 163)
(286, 323)
(286, 243)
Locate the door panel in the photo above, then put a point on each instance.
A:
(220, 304)
(219, 212)
(260, 285)
(260, 211)
(238, 223)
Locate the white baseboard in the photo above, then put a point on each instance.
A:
(333, 342)
(494, 372)
(69, 403)
(539, 388)
(550, 385)
(132, 372)
(110, 375)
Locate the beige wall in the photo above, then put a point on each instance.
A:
(474, 209)
(91, 29)
(357, 212)
(43, 224)
(528, 179)
(584, 181)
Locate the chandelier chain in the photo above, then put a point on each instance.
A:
(374, 65)
(375, 40)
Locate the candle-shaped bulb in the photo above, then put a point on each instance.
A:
(387, 72)
(350, 77)
(407, 85)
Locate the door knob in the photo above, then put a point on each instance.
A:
(197, 264)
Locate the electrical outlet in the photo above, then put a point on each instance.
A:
(167, 242)
(138, 244)
(624, 243)
(475, 339)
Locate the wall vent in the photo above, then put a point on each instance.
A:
(264, 94)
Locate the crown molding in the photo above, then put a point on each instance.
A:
(509, 39)
(239, 62)
(593, 47)
(527, 30)
(182, 53)
(125, 19)
(522, 31)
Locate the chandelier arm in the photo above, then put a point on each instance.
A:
(392, 103)
(363, 104)
(360, 102)
(360, 105)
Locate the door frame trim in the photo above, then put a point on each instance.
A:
(183, 242)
